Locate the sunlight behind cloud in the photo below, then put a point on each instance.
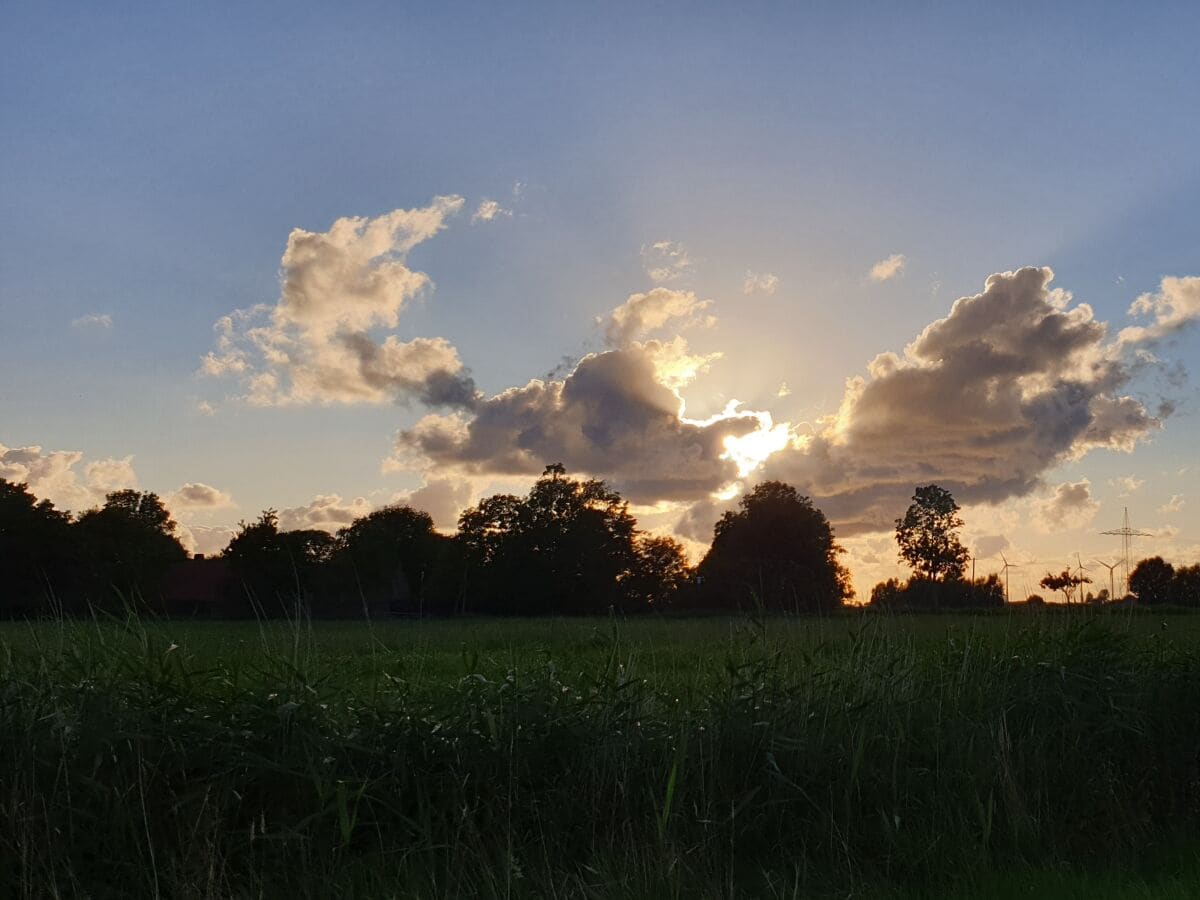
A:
(749, 451)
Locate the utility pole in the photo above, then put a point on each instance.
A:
(1127, 535)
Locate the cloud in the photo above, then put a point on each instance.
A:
(442, 498)
(1071, 506)
(96, 321)
(1174, 505)
(315, 344)
(489, 210)
(326, 512)
(887, 269)
(198, 496)
(644, 313)
(1176, 305)
(613, 416)
(1126, 484)
(56, 475)
(210, 540)
(760, 281)
(1013, 382)
(784, 390)
(666, 261)
(989, 545)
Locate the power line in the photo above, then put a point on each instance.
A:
(1127, 535)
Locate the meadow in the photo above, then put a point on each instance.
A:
(1020, 753)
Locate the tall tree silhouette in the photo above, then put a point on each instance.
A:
(568, 547)
(777, 550)
(1186, 585)
(928, 535)
(130, 543)
(1153, 581)
(37, 553)
(394, 559)
(280, 568)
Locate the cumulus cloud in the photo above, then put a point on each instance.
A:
(666, 261)
(644, 313)
(315, 345)
(207, 539)
(95, 321)
(613, 416)
(442, 498)
(1176, 305)
(1174, 505)
(763, 282)
(1126, 484)
(1070, 506)
(57, 475)
(326, 512)
(1014, 381)
(887, 269)
(488, 210)
(196, 495)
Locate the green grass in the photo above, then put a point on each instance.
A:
(1002, 755)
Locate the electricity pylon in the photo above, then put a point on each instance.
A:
(1127, 535)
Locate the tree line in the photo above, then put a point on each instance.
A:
(569, 546)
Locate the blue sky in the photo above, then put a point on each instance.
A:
(155, 159)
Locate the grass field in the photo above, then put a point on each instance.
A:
(1021, 754)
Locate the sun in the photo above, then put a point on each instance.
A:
(749, 451)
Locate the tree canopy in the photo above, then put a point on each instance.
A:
(928, 535)
(36, 546)
(1065, 581)
(1153, 581)
(776, 550)
(567, 547)
(130, 544)
(394, 556)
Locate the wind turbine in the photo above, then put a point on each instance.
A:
(1080, 568)
(1112, 590)
(1004, 569)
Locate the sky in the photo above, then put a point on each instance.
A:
(322, 259)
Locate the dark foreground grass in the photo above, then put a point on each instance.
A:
(1002, 756)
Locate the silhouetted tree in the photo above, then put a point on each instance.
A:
(1153, 581)
(37, 554)
(928, 535)
(129, 543)
(1065, 581)
(777, 550)
(1186, 588)
(393, 556)
(280, 568)
(568, 547)
(661, 570)
(923, 593)
(888, 593)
